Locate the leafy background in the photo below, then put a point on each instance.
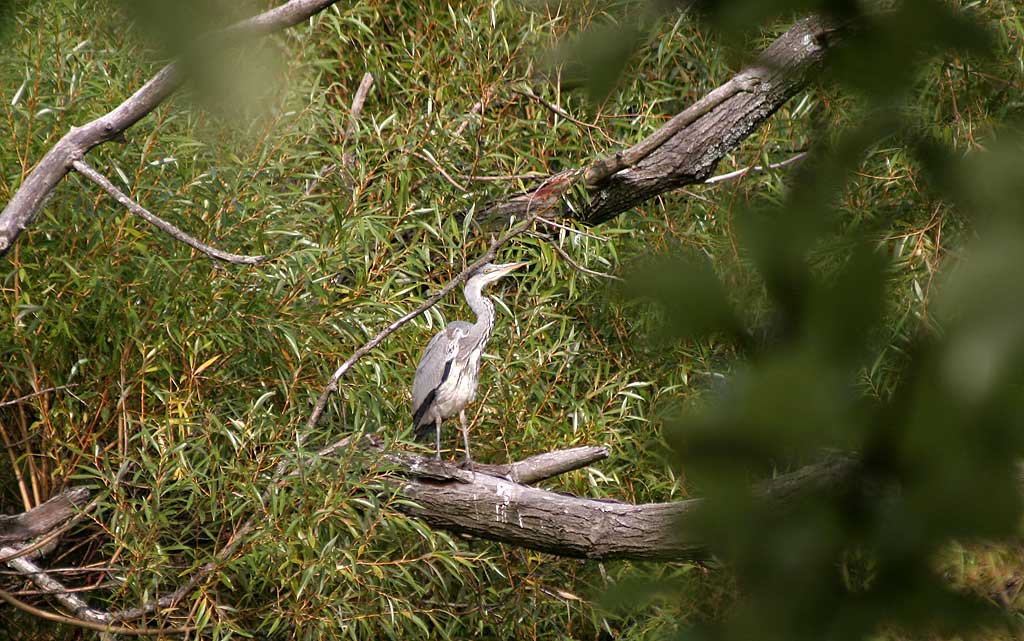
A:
(823, 307)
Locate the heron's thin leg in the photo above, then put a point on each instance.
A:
(465, 437)
(437, 436)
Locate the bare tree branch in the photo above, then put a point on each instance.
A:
(572, 262)
(43, 518)
(16, 216)
(22, 399)
(497, 509)
(84, 169)
(357, 104)
(746, 170)
(429, 158)
(536, 468)
(555, 109)
(23, 207)
(598, 171)
(91, 625)
(69, 600)
(169, 600)
(688, 147)
(546, 465)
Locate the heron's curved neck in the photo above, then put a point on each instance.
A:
(481, 305)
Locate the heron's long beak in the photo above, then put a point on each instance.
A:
(508, 267)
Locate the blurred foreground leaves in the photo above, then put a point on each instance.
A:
(938, 451)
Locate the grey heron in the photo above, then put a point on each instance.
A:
(447, 374)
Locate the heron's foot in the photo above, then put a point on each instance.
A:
(467, 464)
(446, 468)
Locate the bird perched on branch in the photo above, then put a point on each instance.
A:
(447, 376)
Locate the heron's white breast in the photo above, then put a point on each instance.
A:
(460, 389)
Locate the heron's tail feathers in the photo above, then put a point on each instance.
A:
(424, 431)
(423, 428)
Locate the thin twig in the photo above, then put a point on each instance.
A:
(438, 166)
(15, 558)
(21, 399)
(74, 520)
(533, 175)
(69, 600)
(222, 555)
(21, 210)
(477, 107)
(552, 223)
(172, 599)
(99, 585)
(348, 158)
(332, 385)
(555, 109)
(693, 194)
(112, 629)
(742, 172)
(109, 187)
(575, 265)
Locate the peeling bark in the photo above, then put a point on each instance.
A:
(687, 148)
(691, 155)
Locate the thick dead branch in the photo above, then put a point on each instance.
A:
(498, 509)
(43, 518)
(546, 465)
(49, 520)
(485, 503)
(688, 147)
(23, 207)
(739, 173)
(106, 628)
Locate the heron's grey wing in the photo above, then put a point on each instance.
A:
(433, 369)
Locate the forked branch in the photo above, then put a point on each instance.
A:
(24, 206)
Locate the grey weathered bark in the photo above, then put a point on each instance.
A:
(43, 518)
(486, 503)
(482, 503)
(23, 207)
(688, 147)
(74, 603)
(498, 509)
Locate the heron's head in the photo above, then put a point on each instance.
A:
(490, 272)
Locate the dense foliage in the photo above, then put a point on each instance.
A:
(870, 302)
